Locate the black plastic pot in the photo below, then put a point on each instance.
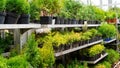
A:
(11, 18)
(65, 21)
(81, 22)
(36, 21)
(74, 21)
(97, 22)
(61, 20)
(2, 17)
(57, 20)
(46, 19)
(69, 21)
(24, 19)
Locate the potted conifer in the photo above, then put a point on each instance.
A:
(25, 13)
(2, 11)
(13, 8)
(48, 9)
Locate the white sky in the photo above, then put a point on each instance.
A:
(97, 2)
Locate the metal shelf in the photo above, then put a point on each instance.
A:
(94, 62)
(25, 26)
(19, 26)
(77, 48)
(69, 25)
(106, 42)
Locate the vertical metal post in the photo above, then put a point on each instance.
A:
(101, 3)
(17, 38)
(109, 3)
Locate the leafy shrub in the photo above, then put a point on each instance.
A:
(113, 56)
(107, 64)
(107, 30)
(17, 6)
(100, 66)
(6, 42)
(76, 64)
(2, 5)
(47, 58)
(3, 62)
(96, 49)
(32, 52)
(60, 66)
(25, 7)
(18, 61)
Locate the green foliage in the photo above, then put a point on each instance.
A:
(107, 64)
(110, 14)
(96, 49)
(58, 38)
(100, 66)
(32, 52)
(76, 64)
(117, 10)
(92, 51)
(60, 66)
(25, 7)
(94, 32)
(50, 6)
(18, 61)
(113, 56)
(47, 58)
(107, 30)
(34, 11)
(6, 42)
(72, 7)
(17, 6)
(3, 62)
(2, 5)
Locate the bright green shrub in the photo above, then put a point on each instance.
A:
(107, 30)
(32, 52)
(100, 66)
(18, 61)
(96, 49)
(3, 62)
(47, 58)
(2, 5)
(113, 56)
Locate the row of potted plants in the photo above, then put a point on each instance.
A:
(61, 20)
(67, 40)
(92, 53)
(68, 12)
(14, 12)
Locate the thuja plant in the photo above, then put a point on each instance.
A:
(32, 51)
(47, 58)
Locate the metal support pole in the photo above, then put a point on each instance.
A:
(17, 38)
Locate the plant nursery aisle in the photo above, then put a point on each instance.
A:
(59, 34)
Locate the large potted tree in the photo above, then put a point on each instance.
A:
(25, 13)
(13, 8)
(2, 11)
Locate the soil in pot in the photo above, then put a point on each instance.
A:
(24, 19)
(2, 17)
(46, 19)
(11, 18)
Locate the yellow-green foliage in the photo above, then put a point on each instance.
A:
(100, 66)
(47, 55)
(96, 49)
